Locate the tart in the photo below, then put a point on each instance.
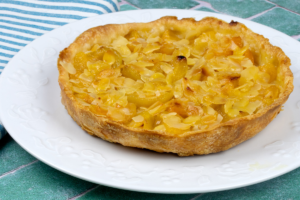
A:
(180, 86)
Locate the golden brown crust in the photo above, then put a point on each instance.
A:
(219, 138)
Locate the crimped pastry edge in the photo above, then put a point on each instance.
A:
(219, 138)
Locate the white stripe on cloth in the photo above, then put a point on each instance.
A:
(10, 45)
(9, 19)
(4, 51)
(17, 33)
(43, 11)
(40, 17)
(76, 4)
(21, 42)
(10, 25)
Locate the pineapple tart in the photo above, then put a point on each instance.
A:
(181, 86)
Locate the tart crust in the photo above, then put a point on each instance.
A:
(219, 138)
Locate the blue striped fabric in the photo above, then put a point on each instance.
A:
(22, 21)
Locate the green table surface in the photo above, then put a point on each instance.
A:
(24, 177)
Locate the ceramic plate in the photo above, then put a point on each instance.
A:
(32, 113)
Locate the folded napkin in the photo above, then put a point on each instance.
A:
(22, 21)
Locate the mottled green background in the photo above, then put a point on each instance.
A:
(24, 177)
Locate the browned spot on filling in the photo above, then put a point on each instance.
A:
(234, 78)
(189, 89)
(179, 58)
(177, 104)
(233, 23)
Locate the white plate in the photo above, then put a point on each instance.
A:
(32, 113)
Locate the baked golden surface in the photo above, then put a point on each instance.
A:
(181, 86)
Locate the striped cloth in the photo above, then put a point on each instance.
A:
(22, 21)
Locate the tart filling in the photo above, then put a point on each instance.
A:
(174, 76)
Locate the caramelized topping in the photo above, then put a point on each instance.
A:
(174, 81)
